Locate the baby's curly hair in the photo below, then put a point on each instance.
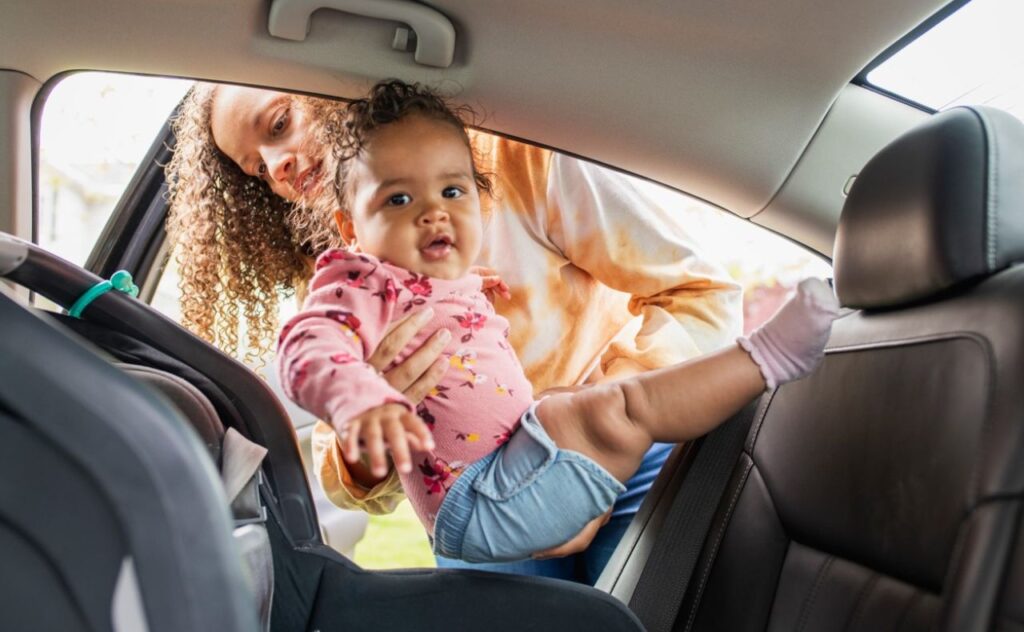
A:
(239, 247)
(347, 130)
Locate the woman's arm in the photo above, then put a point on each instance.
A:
(608, 227)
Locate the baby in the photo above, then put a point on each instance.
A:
(492, 474)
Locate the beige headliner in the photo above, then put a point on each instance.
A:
(718, 98)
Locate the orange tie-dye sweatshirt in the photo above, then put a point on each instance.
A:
(605, 283)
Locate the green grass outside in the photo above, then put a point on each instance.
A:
(396, 540)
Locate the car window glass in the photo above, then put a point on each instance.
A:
(973, 57)
(95, 129)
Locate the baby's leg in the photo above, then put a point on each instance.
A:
(614, 424)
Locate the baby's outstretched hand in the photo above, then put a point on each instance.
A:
(792, 343)
(391, 426)
(492, 283)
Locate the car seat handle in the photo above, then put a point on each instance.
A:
(435, 35)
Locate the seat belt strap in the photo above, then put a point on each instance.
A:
(242, 475)
(666, 575)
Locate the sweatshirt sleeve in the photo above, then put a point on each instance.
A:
(322, 351)
(339, 486)
(604, 224)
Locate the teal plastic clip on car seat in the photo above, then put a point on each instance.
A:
(120, 281)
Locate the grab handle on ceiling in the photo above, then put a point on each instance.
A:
(435, 35)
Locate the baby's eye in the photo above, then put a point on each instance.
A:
(452, 192)
(399, 199)
(261, 170)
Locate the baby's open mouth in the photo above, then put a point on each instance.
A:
(437, 247)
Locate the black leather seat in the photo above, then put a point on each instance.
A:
(885, 491)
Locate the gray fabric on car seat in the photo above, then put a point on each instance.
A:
(187, 398)
(939, 206)
(239, 462)
(98, 468)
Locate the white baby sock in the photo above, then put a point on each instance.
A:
(792, 342)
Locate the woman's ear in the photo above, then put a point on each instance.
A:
(345, 227)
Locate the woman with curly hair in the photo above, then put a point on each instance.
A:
(593, 266)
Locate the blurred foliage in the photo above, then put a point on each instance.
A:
(396, 540)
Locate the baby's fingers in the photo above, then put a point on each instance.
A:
(417, 429)
(398, 444)
(373, 443)
(350, 442)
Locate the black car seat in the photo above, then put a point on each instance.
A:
(885, 491)
(315, 588)
(111, 515)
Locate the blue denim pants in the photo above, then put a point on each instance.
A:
(527, 496)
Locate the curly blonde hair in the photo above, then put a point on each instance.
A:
(240, 248)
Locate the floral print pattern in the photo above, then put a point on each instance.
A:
(438, 475)
(473, 321)
(354, 301)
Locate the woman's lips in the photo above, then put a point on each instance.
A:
(308, 180)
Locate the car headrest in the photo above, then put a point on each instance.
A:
(941, 205)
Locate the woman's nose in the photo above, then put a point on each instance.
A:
(280, 165)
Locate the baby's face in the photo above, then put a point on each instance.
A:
(414, 200)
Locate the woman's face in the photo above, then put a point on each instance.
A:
(265, 134)
(414, 200)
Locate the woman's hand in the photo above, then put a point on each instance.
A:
(390, 426)
(422, 370)
(579, 543)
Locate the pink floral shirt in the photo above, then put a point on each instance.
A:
(353, 302)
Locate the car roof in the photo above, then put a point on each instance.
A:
(719, 99)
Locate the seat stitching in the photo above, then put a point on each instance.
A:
(862, 598)
(762, 413)
(706, 571)
(992, 195)
(805, 611)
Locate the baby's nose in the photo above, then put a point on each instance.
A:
(434, 215)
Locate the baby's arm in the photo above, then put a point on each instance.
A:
(321, 362)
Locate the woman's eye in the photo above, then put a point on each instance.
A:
(399, 199)
(281, 122)
(452, 192)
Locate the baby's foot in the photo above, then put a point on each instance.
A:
(792, 342)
